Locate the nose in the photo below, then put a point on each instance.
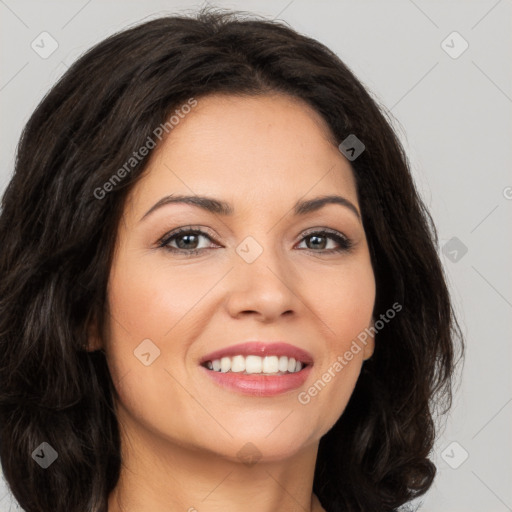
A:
(265, 288)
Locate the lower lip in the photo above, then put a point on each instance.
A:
(260, 384)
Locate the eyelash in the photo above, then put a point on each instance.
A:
(344, 242)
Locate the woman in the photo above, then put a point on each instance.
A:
(219, 287)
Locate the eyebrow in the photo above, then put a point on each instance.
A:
(219, 207)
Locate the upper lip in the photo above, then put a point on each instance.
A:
(260, 348)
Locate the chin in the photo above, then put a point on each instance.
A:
(263, 444)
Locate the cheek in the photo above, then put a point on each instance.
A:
(149, 300)
(146, 313)
(151, 303)
(154, 301)
(345, 300)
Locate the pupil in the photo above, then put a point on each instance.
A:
(317, 238)
(185, 237)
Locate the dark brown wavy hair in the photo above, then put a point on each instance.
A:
(57, 240)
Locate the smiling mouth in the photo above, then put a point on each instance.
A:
(256, 365)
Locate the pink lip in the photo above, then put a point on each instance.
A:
(259, 384)
(259, 348)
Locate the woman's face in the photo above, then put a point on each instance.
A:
(264, 273)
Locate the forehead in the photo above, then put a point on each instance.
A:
(255, 148)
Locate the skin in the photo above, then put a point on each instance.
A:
(180, 431)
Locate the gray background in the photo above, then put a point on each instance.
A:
(454, 118)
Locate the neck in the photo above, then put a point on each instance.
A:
(158, 475)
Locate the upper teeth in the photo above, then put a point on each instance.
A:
(255, 364)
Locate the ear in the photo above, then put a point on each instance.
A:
(94, 341)
(370, 341)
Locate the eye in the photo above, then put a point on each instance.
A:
(186, 240)
(319, 241)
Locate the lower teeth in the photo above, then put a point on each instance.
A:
(258, 373)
